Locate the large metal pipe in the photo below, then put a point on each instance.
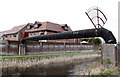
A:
(101, 32)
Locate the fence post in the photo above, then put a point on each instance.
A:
(22, 49)
(41, 45)
(7, 45)
(64, 46)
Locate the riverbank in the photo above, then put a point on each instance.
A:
(94, 68)
(87, 64)
(20, 65)
(28, 62)
(48, 54)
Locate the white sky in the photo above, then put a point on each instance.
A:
(71, 12)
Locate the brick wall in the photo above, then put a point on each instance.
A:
(63, 40)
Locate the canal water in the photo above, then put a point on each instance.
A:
(67, 69)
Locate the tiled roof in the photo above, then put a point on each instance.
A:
(15, 29)
(44, 26)
(49, 26)
(63, 24)
(37, 22)
(30, 24)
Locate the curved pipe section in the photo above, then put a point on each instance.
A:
(101, 32)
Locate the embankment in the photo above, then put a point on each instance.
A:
(28, 62)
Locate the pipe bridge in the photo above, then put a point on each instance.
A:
(100, 32)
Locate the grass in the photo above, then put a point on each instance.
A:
(3, 55)
(107, 73)
(47, 55)
(23, 57)
(67, 53)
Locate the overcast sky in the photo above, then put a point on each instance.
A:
(71, 12)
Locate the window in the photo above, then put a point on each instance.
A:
(37, 25)
(41, 33)
(34, 33)
(28, 27)
(31, 34)
(14, 35)
(66, 28)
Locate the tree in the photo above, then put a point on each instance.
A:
(95, 41)
(85, 40)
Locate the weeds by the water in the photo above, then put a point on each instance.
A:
(47, 55)
(27, 62)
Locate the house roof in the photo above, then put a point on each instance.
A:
(49, 26)
(37, 22)
(45, 26)
(30, 24)
(15, 29)
(63, 24)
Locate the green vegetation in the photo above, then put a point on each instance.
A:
(47, 55)
(3, 55)
(108, 72)
(107, 61)
(105, 72)
(24, 57)
(95, 41)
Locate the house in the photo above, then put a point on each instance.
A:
(15, 33)
(44, 28)
(35, 29)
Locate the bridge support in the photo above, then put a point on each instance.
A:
(109, 52)
(22, 49)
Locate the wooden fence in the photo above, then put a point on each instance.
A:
(33, 47)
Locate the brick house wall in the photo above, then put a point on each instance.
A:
(47, 32)
(14, 36)
(20, 33)
(11, 37)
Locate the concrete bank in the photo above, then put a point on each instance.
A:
(25, 63)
